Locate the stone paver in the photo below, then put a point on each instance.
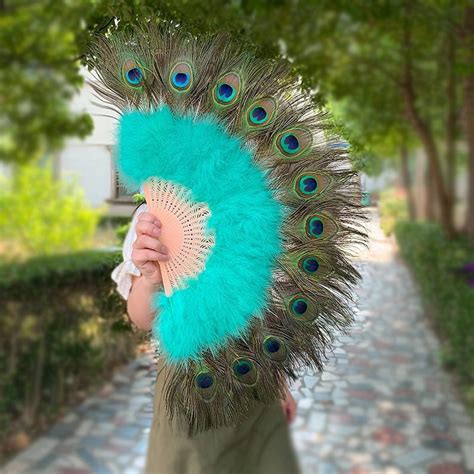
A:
(383, 404)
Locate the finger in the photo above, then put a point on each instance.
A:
(146, 242)
(148, 228)
(148, 268)
(292, 412)
(149, 217)
(291, 415)
(139, 257)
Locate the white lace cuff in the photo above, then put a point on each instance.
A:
(122, 275)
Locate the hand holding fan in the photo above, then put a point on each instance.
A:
(183, 231)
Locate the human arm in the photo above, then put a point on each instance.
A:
(147, 251)
(288, 405)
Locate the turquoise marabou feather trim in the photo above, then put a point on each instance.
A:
(199, 154)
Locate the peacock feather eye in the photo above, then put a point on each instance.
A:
(315, 227)
(244, 371)
(181, 77)
(275, 348)
(312, 262)
(311, 184)
(309, 264)
(293, 142)
(308, 185)
(227, 89)
(261, 112)
(290, 143)
(320, 226)
(301, 308)
(205, 383)
(133, 74)
(225, 93)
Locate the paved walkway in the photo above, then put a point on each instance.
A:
(383, 405)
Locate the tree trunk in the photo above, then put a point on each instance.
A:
(406, 181)
(469, 115)
(423, 129)
(430, 195)
(451, 119)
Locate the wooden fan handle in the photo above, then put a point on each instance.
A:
(165, 278)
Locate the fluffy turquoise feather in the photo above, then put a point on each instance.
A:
(219, 170)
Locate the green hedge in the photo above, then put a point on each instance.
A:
(436, 261)
(35, 274)
(63, 328)
(113, 221)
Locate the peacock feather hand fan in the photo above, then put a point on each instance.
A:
(258, 206)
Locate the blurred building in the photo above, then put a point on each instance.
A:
(90, 160)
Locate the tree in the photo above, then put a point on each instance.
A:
(38, 76)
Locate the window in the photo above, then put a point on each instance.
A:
(119, 192)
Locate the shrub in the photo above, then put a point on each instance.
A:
(393, 208)
(64, 328)
(107, 221)
(436, 263)
(41, 215)
(121, 232)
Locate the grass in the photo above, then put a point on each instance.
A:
(436, 262)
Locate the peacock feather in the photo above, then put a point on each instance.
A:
(240, 135)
